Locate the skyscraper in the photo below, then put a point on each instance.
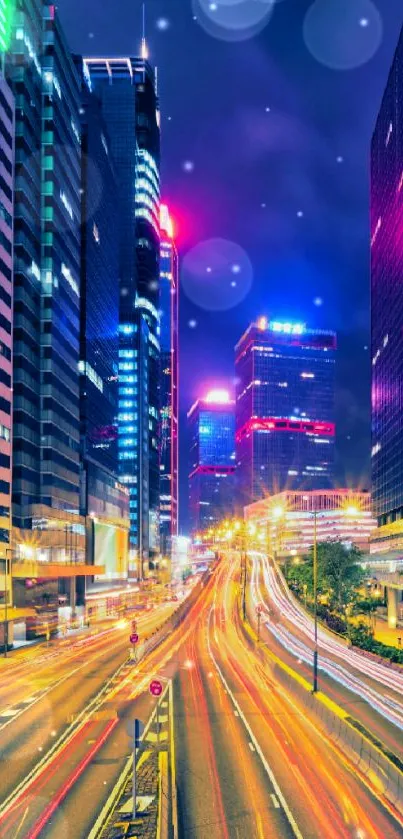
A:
(6, 298)
(169, 299)
(104, 501)
(285, 428)
(211, 426)
(46, 313)
(387, 301)
(127, 90)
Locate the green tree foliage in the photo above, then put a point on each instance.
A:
(339, 574)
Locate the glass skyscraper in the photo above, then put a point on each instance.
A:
(127, 91)
(169, 298)
(6, 320)
(387, 299)
(285, 422)
(211, 428)
(47, 276)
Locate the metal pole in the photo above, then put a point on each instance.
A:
(258, 626)
(315, 603)
(6, 608)
(244, 588)
(134, 773)
(158, 722)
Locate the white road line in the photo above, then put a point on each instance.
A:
(236, 713)
(251, 746)
(280, 796)
(10, 712)
(275, 801)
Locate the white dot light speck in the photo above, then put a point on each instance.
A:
(340, 159)
(318, 301)
(300, 214)
(233, 284)
(235, 268)
(364, 22)
(192, 324)
(162, 24)
(188, 166)
(208, 269)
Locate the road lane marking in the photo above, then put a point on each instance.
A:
(269, 772)
(275, 801)
(11, 712)
(236, 714)
(251, 746)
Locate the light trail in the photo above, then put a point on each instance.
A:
(390, 708)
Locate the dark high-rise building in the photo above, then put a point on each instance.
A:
(169, 295)
(46, 313)
(104, 501)
(211, 427)
(387, 300)
(6, 320)
(285, 428)
(23, 70)
(127, 91)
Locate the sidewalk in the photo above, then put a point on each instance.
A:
(387, 634)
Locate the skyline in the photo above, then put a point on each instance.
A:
(323, 254)
(239, 674)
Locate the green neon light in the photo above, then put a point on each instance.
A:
(7, 8)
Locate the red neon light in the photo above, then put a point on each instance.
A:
(328, 429)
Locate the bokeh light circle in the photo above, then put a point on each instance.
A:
(233, 20)
(335, 35)
(207, 275)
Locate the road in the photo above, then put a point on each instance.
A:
(369, 691)
(249, 763)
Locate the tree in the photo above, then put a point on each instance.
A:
(339, 573)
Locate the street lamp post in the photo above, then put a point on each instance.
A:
(315, 603)
(6, 577)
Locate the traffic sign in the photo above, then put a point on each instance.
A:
(155, 688)
(259, 609)
(134, 638)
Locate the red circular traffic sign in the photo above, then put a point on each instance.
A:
(134, 638)
(155, 688)
(259, 609)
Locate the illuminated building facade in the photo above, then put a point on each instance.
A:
(6, 321)
(169, 298)
(387, 302)
(286, 520)
(127, 91)
(285, 428)
(211, 427)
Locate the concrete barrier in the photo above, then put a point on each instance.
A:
(366, 756)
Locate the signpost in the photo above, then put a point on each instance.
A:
(137, 732)
(156, 690)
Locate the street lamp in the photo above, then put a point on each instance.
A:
(315, 603)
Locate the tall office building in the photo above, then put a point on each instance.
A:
(127, 91)
(104, 501)
(285, 424)
(48, 531)
(169, 290)
(387, 302)
(6, 297)
(211, 427)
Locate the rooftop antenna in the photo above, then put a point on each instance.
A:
(144, 48)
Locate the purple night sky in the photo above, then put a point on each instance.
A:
(265, 166)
